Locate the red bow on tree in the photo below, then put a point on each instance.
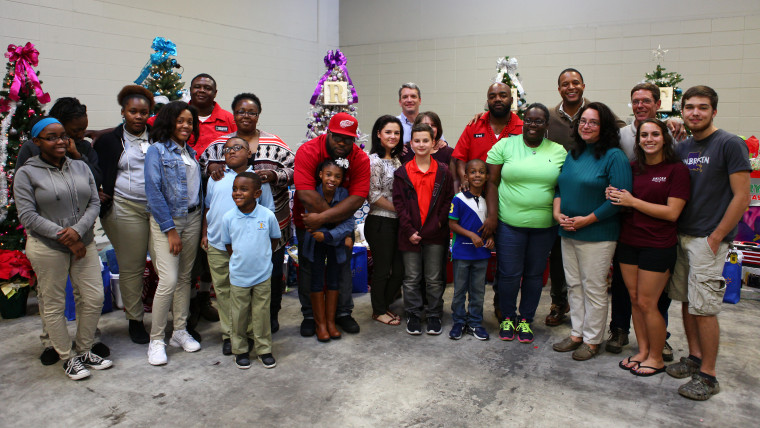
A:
(25, 57)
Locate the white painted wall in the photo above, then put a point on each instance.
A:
(91, 48)
(450, 49)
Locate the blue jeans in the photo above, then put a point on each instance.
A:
(522, 254)
(318, 268)
(469, 279)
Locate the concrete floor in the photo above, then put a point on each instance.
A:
(380, 377)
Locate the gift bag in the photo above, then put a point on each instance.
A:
(732, 272)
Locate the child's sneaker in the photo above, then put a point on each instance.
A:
(524, 333)
(183, 339)
(479, 333)
(413, 325)
(507, 330)
(434, 325)
(74, 369)
(456, 331)
(268, 361)
(93, 361)
(243, 361)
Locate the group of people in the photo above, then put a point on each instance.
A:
(573, 185)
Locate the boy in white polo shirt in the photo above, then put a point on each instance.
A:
(218, 201)
(246, 231)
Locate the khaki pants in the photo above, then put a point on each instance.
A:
(587, 265)
(251, 304)
(53, 267)
(219, 265)
(127, 225)
(173, 273)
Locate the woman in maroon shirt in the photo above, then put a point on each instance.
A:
(647, 247)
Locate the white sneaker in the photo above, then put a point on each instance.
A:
(157, 353)
(184, 340)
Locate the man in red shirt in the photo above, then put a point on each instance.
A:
(310, 211)
(215, 121)
(478, 138)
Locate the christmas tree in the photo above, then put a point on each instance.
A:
(506, 72)
(666, 79)
(159, 75)
(334, 93)
(21, 100)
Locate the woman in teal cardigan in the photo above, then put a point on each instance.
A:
(589, 224)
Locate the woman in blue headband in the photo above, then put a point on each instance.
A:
(57, 202)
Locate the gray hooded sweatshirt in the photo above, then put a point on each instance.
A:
(49, 199)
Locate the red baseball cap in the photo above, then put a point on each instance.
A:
(344, 123)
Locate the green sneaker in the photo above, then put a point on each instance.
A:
(507, 330)
(524, 333)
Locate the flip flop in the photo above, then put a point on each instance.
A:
(393, 321)
(656, 371)
(392, 315)
(622, 365)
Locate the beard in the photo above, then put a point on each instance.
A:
(332, 153)
(498, 113)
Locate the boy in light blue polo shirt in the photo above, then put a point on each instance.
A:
(218, 202)
(250, 233)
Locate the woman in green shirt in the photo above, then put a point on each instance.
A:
(522, 175)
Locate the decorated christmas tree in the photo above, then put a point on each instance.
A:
(666, 79)
(159, 74)
(506, 72)
(335, 93)
(21, 100)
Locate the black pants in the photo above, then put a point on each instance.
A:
(388, 268)
(558, 289)
(620, 317)
(278, 258)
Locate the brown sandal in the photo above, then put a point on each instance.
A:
(392, 321)
(392, 315)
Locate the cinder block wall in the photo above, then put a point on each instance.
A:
(450, 49)
(91, 48)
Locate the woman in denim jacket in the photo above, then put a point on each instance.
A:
(173, 189)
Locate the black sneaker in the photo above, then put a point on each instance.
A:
(243, 361)
(49, 356)
(433, 326)
(275, 324)
(308, 327)
(75, 369)
(456, 331)
(413, 325)
(348, 324)
(479, 333)
(137, 332)
(93, 361)
(226, 347)
(268, 361)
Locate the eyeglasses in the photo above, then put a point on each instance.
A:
(247, 113)
(54, 138)
(590, 123)
(642, 102)
(235, 148)
(537, 122)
